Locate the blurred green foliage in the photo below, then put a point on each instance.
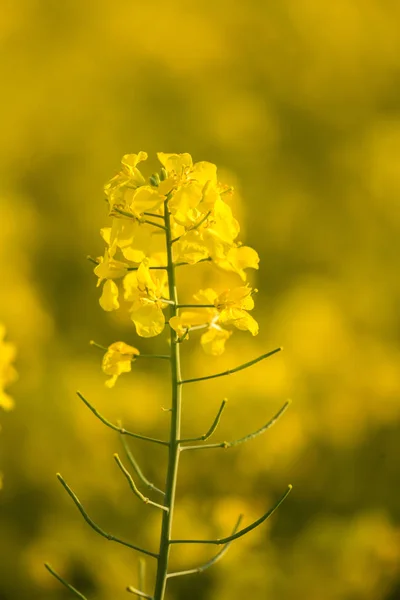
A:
(297, 102)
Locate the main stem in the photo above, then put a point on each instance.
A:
(175, 433)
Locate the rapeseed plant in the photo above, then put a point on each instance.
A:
(179, 216)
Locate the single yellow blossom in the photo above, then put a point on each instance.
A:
(8, 373)
(233, 306)
(109, 268)
(118, 359)
(129, 178)
(148, 292)
(237, 259)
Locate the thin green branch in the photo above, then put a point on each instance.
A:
(162, 356)
(241, 532)
(149, 214)
(213, 427)
(137, 469)
(212, 561)
(134, 487)
(129, 215)
(230, 371)
(246, 438)
(93, 525)
(120, 430)
(133, 590)
(154, 224)
(65, 583)
(141, 572)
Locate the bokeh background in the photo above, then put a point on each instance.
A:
(297, 102)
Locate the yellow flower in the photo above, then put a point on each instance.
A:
(128, 179)
(237, 259)
(213, 340)
(135, 240)
(109, 269)
(187, 184)
(148, 292)
(233, 306)
(8, 373)
(118, 359)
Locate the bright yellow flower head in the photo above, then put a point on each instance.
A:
(148, 292)
(118, 359)
(7, 372)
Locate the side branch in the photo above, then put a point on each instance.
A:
(120, 430)
(93, 525)
(133, 590)
(133, 486)
(241, 532)
(213, 427)
(246, 438)
(230, 371)
(211, 562)
(65, 583)
(137, 469)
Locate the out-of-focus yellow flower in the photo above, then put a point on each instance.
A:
(148, 292)
(8, 374)
(118, 359)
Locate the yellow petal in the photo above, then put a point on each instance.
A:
(145, 198)
(175, 163)
(109, 297)
(108, 268)
(207, 296)
(204, 172)
(213, 341)
(188, 319)
(190, 248)
(240, 319)
(148, 319)
(118, 359)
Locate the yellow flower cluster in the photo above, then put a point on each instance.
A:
(7, 372)
(202, 228)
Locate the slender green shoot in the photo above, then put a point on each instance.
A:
(246, 438)
(134, 487)
(120, 430)
(94, 526)
(133, 590)
(212, 429)
(134, 464)
(162, 356)
(212, 561)
(241, 532)
(231, 371)
(65, 583)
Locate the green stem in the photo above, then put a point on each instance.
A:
(175, 432)
(65, 583)
(241, 532)
(230, 371)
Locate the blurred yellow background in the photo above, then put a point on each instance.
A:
(297, 102)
